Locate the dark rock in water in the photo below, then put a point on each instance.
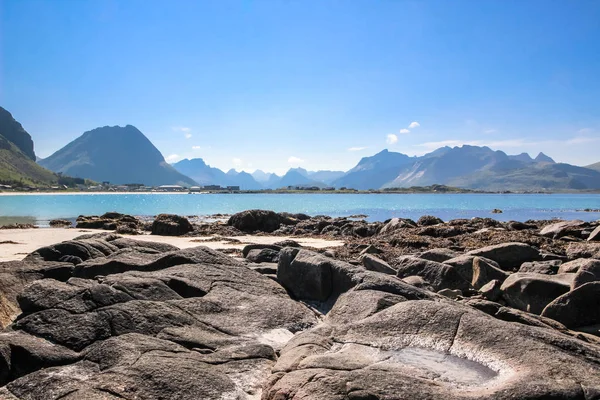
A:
(497, 211)
(373, 263)
(60, 222)
(587, 273)
(255, 220)
(171, 225)
(541, 267)
(509, 256)
(579, 307)
(107, 221)
(427, 220)
(427, 350)
(532, 292)
(439, 255)
(439, 276)
(263, 255)
(576, 265)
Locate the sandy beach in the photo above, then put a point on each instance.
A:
(15, 244)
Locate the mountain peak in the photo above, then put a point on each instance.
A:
(14, 132)
(544, 158)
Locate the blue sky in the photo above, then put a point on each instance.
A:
(319, 84)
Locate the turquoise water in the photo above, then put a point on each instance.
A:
(377, 207)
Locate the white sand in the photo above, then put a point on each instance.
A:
(29, 240)
(81, 193)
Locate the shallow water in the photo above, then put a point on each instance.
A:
(377, 207)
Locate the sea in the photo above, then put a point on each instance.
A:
(40, 209)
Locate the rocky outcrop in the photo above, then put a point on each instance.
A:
(255, 220)
(532, 292)
(110, 221)
(579, 307)
(171, 225)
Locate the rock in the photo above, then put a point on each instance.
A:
(358, 304)
(107, 221)
(509, 256)
(263, 255)
(432, 350)
(532, 292)
(171, 225)
(417, 281)
(395, 224)
(561, 228)
(519, 226)
(579, 307)
(427, 220)
(484, 272)
(246, 250)
(370, 249)
(594, 235)
(464, 265)
(583, 250)
(576, 265)
(587, 273)
(496, 211)
(255, 220)
(439, 276)
(491, 290)
(450, 293)
(439, 255)
(541, 267)
(60, 222)
(287, 243)
(373, 263)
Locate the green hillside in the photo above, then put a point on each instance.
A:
(17, 168)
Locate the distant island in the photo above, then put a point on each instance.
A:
(114, 158)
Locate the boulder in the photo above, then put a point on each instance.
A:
(464, 265)
(439, 255)
(371, 249)
(563, 228)
(491, 290)
(427, 220)
(439, 276)
(484, 272)
(432, 350)
(579, 307)
(255, 220)
(583, 250)
(509, 256)
(587, 273)
(253, 246)
(594, 235)
(576, 265)
(451, 293)
(60, 222)
(395, 224)
(171, 225)
(532, 292)
(263, 255)
(550, 267)
(373, 263)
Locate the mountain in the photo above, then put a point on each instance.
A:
(522, 157)
(261, 176)
(375, 171)
(17, 158)
(595, 167)
(544, 158)
(326, 176)
(482, 168)
(297, 177)
(204, 174)
(115, 154)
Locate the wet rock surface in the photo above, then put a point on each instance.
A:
(457, 310)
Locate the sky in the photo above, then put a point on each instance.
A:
(276, 84)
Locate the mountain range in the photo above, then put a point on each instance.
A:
(122, 155)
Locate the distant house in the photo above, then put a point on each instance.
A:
(233, 188)
(329, 188)
(170, 188)
(212, 187)
(195, 189)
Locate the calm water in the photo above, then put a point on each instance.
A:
(41, 208)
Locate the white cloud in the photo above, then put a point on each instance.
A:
(489, 131)
(293, 161)
(391, 139)
(188, 135)
(196, 147)
(357, 148)
(172, 157)
(184, 129)
(582, 139)
(414, 124)
(404, 130)
(585, 131)
(237, 162)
